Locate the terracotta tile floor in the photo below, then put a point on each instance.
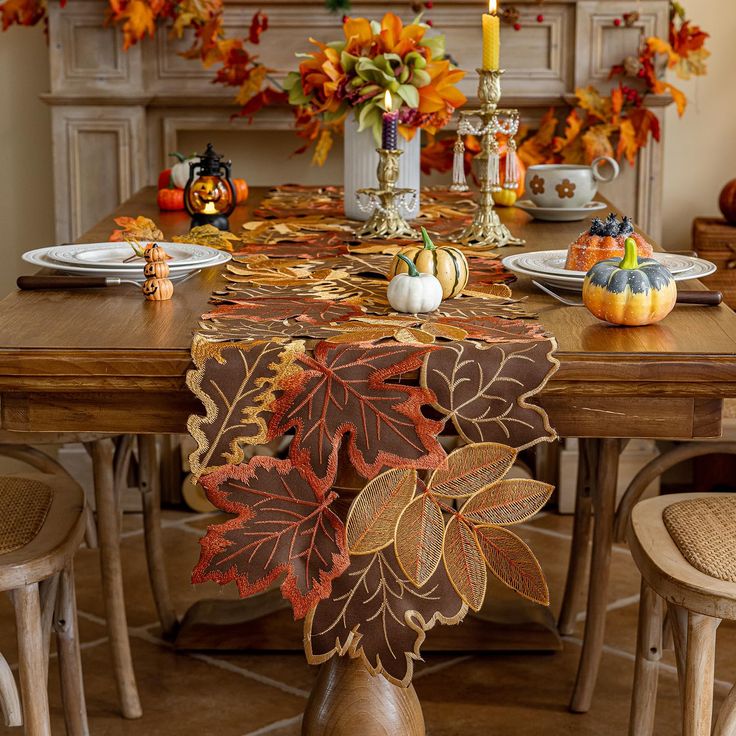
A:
(256, 694)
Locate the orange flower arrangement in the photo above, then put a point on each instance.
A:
(353, 74)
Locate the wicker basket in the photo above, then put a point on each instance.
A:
(715, 240)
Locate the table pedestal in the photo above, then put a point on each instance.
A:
(347, 700)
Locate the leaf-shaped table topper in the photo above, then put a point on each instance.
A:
(483, 389)
(376, 614)
(283, 526)
(237, 383)
(349, 393)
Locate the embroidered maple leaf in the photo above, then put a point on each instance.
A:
(350, 393)
(237, 383)
(483, 389)
(376, 614)
(266, 309)
(282, 526)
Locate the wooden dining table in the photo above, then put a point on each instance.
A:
(106, 360)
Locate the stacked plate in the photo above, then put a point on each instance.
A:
(115, 259)
(548, 266)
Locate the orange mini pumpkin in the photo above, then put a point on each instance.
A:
(156, 269)
(158, 290)
(154, 252)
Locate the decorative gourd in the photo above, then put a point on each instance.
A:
(157, 287)
(154, 252)
(629, 290)
(446, 263)
(158, 290)
(727, 202)
(414, 292)
(156, 269)
(505, 197)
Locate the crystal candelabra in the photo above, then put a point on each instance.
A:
(386, 220)
(488, 122)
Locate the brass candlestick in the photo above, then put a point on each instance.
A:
(386, 221)
(486, 228)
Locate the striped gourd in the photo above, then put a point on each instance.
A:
(448, 264)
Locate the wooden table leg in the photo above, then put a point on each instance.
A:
(347, 700)
(582, 526)
(150, 486)
(108, 529)
(604, 507)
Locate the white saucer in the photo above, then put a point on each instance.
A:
(560, 214)
(573, 280)
(117, 255)
(41, 259)
(552, 262)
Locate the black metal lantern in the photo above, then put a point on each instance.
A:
(209, 194)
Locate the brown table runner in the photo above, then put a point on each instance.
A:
(301, 352)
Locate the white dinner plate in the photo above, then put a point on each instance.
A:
(561, 214)
(574, 281)
(115, 255)
(40, 259)
(552, 262)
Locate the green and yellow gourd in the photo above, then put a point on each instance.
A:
(445, 263)
(630, 290)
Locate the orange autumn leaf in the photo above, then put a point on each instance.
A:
(591, 100)
(627, 142)
(22, 12)
(136, 228)
(597, 142)
(573, 126)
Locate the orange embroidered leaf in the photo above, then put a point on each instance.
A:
(464, 562)
(507, 502)
(282, 525)
(419, 536)
(377, 615)
(349, 393)
(375, 510)
(472, 468)
(513, 563)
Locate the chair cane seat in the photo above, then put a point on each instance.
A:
(704, 530)
(664, 566)
(24, 504)
(41, 526)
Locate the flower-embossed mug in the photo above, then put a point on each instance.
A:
(568, 185)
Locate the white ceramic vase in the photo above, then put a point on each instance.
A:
(361, 161)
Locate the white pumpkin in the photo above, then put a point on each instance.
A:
(414, 292)
(180, 170)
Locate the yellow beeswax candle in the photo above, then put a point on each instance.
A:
(491, 37)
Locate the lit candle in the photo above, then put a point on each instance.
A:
(209, 209)
(491, 37)
(390, 124)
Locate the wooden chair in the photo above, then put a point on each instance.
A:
(685, 547)
(110, 461)
(42, 523)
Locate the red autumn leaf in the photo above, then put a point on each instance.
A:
(267, 309)
(264, 98)
(258, 25)
(22, 12)
(350, 393)
(283, 525)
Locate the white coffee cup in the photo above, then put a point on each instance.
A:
(567, 185)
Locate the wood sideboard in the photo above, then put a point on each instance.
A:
(116, 114)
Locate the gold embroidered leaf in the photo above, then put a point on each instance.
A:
(237, 383)
(472, 468)
(413, 335)
(419, 535)
(364, 335)
(464, 562)
(513, 563)
(488, 291)
(376, 509)
(507, 502)
(448, 332)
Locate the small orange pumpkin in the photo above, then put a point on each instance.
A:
(156, 269)
(158, 290)
(154, 252)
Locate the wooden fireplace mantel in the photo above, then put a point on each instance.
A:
(116, 114)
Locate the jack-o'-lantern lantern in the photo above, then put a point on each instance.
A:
(209, 194)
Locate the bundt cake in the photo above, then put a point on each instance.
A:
(604, 240)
